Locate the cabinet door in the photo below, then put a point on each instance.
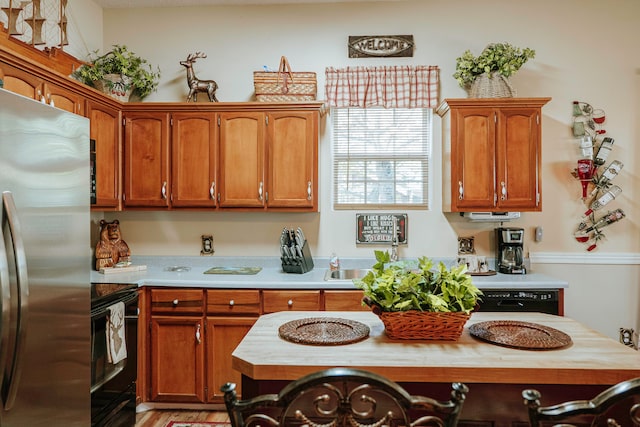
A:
(242, 147)
(63, 98)
(193, 159)
(518, 158)
(223, 336)
(146, 160)
(177, 359)
(292, 155)
(105, 131)
(21, 82)
(472, 158)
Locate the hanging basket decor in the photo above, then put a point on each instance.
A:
(116, 86)
(493, 85)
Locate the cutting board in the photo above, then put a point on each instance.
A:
(128, 269)
(234, 270)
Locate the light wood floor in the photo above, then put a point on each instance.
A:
(160, 418)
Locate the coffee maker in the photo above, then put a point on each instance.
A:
(509, 247)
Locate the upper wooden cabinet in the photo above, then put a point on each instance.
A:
(242, 148)
(106, 132)
(146, 159)
(27, 84)
(194, 159)
(495, 154)
(292, 159)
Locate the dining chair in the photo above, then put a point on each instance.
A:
(619, 405)
(343, 397)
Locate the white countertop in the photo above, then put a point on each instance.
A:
(273, 277)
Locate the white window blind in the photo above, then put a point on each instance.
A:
(381, 157)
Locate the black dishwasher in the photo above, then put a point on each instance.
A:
(528, 300)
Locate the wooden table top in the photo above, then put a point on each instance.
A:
(592, 358)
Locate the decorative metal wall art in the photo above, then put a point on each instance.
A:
(36, 22)
(380, 46)
(196, 85)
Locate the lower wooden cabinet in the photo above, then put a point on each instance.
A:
(177, 359)
(193, 332)
(344, 301)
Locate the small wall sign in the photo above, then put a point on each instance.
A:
(378, 228)
(380, 46)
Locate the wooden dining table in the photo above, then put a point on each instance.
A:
(496, 373)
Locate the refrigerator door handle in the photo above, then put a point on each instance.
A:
(10, 390)
(5, 300)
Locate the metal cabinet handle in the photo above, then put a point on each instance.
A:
(460, 190)
(212, 190)
(290, 303)
(309, 190)
(260, 188)
(164, 190)
(231, 303)
(503, 191)
(175, 302)
(198, 340)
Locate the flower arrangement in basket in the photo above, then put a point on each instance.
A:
(419, 301)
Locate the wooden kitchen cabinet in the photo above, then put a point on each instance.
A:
(35, 87)
(269, 159)
(242, 151)
(292, 157)
(105, 125)
(495, 150)
(146, 160)
(290, 300)
(194, 159)
(230, 315)
(344, 301)
(177, 349)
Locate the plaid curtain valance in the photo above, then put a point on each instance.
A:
(401, 86)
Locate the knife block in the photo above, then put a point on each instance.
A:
(299, 264)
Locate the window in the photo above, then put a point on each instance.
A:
(381, 157)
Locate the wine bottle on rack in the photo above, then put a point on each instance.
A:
(603, 151)
(611, 194)
(607, 176)
(611, 217)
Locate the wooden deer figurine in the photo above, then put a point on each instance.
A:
(196, 85)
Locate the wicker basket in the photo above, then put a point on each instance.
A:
(494, 86)
(284, 85)
(423, 325)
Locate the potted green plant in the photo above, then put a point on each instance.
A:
(494, 66)
(119, 73)
(419, 300)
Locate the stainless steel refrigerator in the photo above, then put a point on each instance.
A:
(44, 265)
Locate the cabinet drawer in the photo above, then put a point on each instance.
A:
(286, 300)
(177, 301)
(344, 301)
(233, 302)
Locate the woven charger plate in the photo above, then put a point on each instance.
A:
(323, 331)
(526, 335)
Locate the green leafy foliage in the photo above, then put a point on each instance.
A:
(120, 60)
(499, 57)
(403, 285)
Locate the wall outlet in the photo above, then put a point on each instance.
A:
(207, 245)
(629, 337)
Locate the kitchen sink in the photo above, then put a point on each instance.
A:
(346, 274)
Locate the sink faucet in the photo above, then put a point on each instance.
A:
(394, 241)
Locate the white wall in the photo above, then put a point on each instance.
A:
(585, 50)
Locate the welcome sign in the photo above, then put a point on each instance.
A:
(380, 46)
